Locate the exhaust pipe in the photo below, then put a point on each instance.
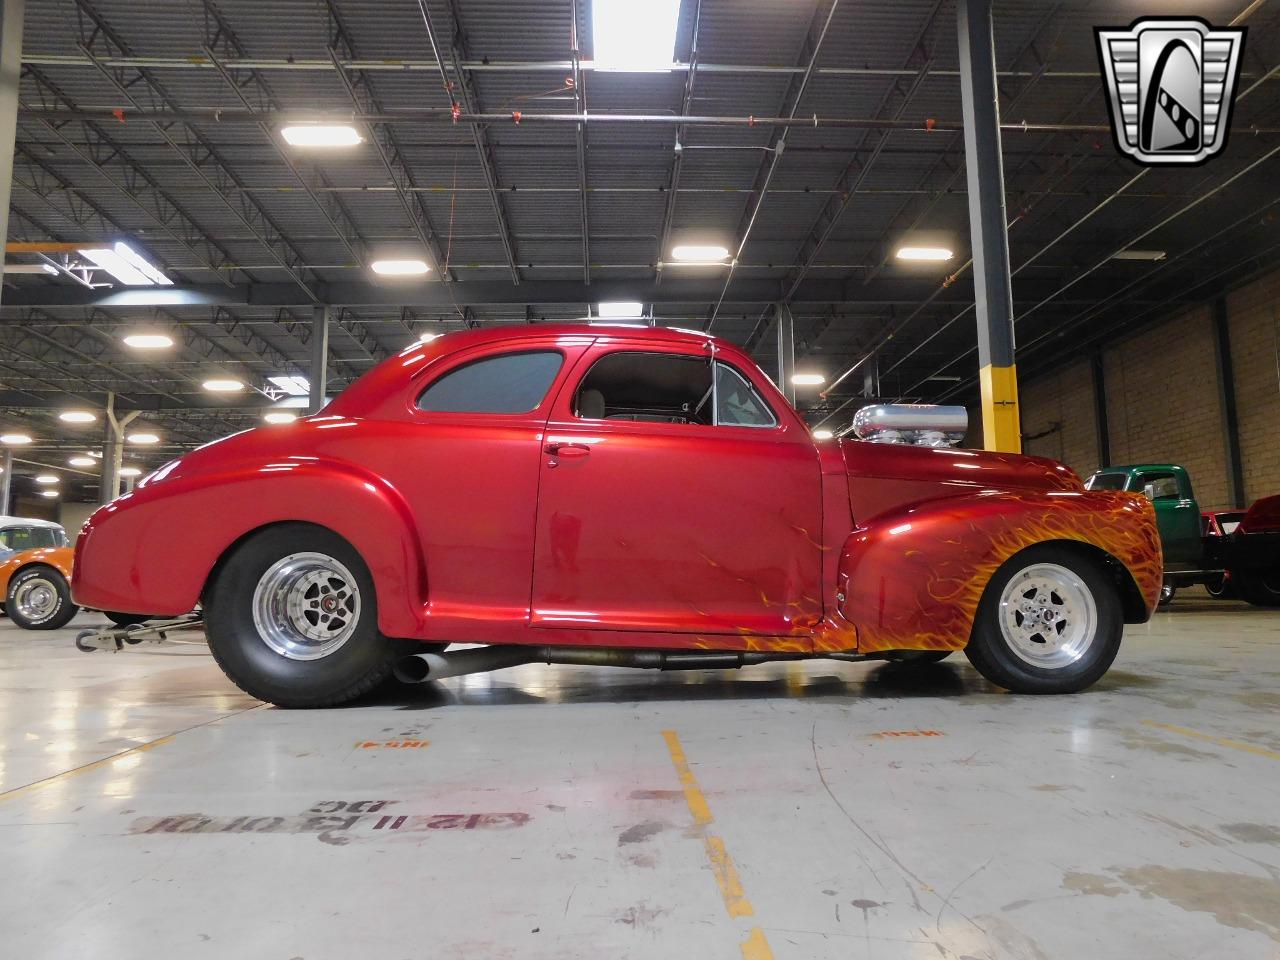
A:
(421, 667)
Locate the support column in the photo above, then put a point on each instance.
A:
(993, 289)
(786, 325)
(11, 17)
(6, 481)
(1100, 419)
(319, 372)
(1227, 403)
(112, 451)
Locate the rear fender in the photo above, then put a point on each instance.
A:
(157, 555)
(912, 579)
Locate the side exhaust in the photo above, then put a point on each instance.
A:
(421, 667)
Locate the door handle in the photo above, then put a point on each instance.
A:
(567, 449)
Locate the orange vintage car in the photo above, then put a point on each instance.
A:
(36, 588)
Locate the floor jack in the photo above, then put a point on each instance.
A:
(153, 631)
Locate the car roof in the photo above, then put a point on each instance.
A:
(391, 374)
(6, 522)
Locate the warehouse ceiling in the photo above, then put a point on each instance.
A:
(158, 124)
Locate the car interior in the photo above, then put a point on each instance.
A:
(669, 388)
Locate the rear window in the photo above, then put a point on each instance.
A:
(509, 383)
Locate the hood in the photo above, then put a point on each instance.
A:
(951, 465)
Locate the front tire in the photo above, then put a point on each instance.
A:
(1050, 621)
(40, 599)
(292, 619)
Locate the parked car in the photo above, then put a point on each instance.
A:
(36, 585)
(621, 495)
(1231, 552)
(24, 533)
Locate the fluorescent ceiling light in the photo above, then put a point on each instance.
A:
(808, 379)
(400, 268)
(130, 472)
(223, 385)
(82, 462)
(924, 253)
(127, 265)
(48, 493)
(148, 341)
(143, 438)
(14, 439)
(634, 36)
(1153, 256)
(96, 454)
(77, 416)
(822, 434)
(699, 253)
(279, 416)
(293, 386)
(321, 135)
(46, 478)
(619, 309)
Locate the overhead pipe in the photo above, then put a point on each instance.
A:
(779, 147)
(445, 116)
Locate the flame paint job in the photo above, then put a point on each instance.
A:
(641, 535)
(57, 557)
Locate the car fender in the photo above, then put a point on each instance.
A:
(156, 548)
(912, 579)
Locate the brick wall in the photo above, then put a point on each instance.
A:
(1163, 398)
(1060, 406)
(1253, 317)
(1162, 402)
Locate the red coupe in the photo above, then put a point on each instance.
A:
(619, 495)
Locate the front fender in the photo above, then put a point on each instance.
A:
(151, 551)
(912, 579)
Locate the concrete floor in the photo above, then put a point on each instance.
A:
(818, 810)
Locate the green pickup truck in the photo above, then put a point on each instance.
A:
(1232, 552)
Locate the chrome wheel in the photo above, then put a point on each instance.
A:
(306, 606)
(36, 599)
(1048, 616)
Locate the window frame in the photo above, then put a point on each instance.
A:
(711, 357)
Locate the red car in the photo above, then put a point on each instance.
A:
(633, 496)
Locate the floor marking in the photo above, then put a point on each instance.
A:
(97, 764)
(392, 744)
(908, 733)
(1220, 741)
(756, 946)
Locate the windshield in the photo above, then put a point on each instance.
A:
(1106, 481)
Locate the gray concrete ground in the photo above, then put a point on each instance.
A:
(815, 810)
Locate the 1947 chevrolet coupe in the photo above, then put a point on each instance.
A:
(611, 495)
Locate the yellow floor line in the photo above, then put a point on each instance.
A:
(1220, 741)
(84, 768)
(756, 946)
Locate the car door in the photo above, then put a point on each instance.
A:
(659, 513)
(1177, 517)
(467, 465)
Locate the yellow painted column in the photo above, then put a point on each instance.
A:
(1001, 425)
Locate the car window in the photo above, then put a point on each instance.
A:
(669, 388)
(1107, 481)
(17, 538)
(737, 403)
(1160, 486)
(44, 537)
(649, 387)
(508, 383)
